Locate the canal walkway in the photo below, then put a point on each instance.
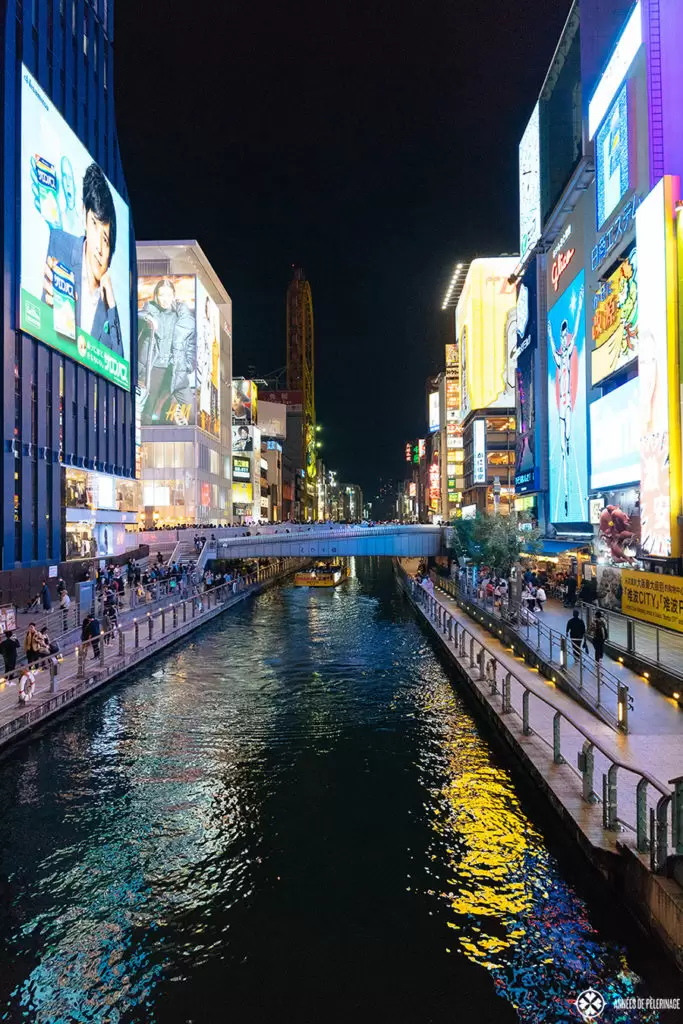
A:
(653, 713)
(644, 752)
(84, 667)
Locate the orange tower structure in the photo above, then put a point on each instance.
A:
(300, 378)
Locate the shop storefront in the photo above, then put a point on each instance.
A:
(101, 513)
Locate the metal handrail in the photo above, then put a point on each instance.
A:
(324, 533)
(631, 624)
(588, 668)
(662, 820)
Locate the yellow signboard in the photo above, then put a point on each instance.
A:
(653, 598)
(487, 332)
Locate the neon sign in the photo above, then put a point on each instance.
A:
(621, 224)
(560, 265)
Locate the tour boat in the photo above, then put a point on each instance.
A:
(321, 575)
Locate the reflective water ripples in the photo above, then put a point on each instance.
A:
(252, 819)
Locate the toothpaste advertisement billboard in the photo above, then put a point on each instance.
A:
(75, 244)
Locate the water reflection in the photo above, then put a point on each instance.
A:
(509, 909)
(246, 826)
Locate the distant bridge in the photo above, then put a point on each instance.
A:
(328, 541)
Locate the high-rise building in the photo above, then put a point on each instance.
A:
(68, 384)
(301, 438)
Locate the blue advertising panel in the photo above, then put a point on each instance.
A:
(568, 448)
(615, 437)
(528, 446)
(612, 157)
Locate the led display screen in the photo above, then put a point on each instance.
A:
(660, 482)
(242, 493)
(612, 158)
(242, 438)
(167, 348)
(434, 418)
(615, 320)
(479, 451)
(526, 467)
(615, 437)
(530, 185)
(75, 244)
(244, 402)
(241, 467)
(568, 455)
(621, 59)
(485, 319)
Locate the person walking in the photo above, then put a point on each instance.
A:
(94, 633)
(8, 649)
(576, 630)
(541, 597)
(571, 591)
(600, 634)
(45, 597)
(64, 604)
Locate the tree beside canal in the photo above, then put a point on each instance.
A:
(494, 540)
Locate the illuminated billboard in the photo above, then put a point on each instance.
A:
(526, 461)
(615, 437)
(167, 346)
(612, 164)
(75, 244)
(615, 320)
(530, 185)
(241, 467)
(452, 383)
(620, 61)
(242, 493)
(565, 259)
(242, 438)
(434, 413)
(660, 447)
(208, 370)
(568, 450)
(479, 451)
(244, 402)
(485, 321)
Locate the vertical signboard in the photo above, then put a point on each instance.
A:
(479, 451)
(526, 462)
(568, 450)
(660, 454)
(530, 185)
(208, 375)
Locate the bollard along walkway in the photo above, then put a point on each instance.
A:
(612, 790)
(84, 667)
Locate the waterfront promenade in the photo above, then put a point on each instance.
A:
(84, 667)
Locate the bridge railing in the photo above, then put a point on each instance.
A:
(320, 533)
(645, 809)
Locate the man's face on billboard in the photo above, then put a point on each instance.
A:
(97, 246)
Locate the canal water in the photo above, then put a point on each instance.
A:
(294, 816)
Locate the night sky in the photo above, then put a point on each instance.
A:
(372, 142)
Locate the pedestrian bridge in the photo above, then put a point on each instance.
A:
(329, 541)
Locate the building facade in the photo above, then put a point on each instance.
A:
(69, 348)
(184, 322)
(598, 373)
